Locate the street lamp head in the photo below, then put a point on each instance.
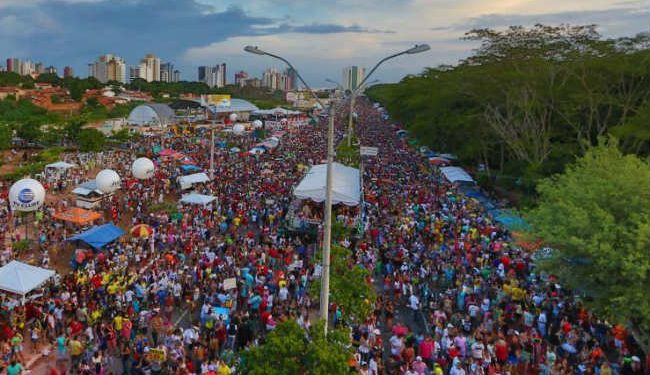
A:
(254, 49)
(418, 48)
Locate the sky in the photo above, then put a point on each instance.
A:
(319, 37)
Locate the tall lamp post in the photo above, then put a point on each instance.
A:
(418, 48)
(327, 230)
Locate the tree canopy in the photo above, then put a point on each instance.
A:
(529, 100)
(349, 285)
(596, 216)
(289, 349)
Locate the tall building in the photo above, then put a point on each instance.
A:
(293, 79)
(108, 68)
(68, 72)
(134, 72)
(276, 80)
(51, 70)
(150, 68)
(10, 64)
(352, 77)
(213, 76)
(167, 73)
(39, 68)
(27, 68)
(240, 78)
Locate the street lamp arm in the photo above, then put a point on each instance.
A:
(356, 91)
(298, 75)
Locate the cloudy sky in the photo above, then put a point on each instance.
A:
(319, 37)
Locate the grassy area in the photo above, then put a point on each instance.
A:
(348, 155)
(37, 165)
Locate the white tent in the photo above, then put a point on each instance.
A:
(20, 278)
(199, 199)
(456, 174)
(60, 165)
(186, 182)
(346, 187)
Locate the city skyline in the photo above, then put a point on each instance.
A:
(194, 33)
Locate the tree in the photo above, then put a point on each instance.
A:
(289, 349)
(30, 131)
(91, 140)
(5, 136)
(349, 285)
(597, 216)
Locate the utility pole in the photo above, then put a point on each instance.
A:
(212, 152)
(327, 233)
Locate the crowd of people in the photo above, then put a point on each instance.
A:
(456, 295)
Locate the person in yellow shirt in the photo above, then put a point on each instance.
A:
(117, 322)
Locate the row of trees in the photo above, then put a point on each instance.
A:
(529, 100)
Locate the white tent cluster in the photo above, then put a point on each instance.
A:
(277, 111)
(346, 185)
(20, 278)
(456, 174)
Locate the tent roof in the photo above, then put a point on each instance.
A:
(456, 174)
(97, 237)
(60, 165)
(20, 278)
(78, 215)
(194, 178)
(87, 188)
(194, 198)
(276, 110)
(346, 186)
(190, 168)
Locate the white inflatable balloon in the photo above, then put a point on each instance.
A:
(108, 181)
(257, 124)
(238, 129)
(233, 117)
(142, 168)
(26, 195)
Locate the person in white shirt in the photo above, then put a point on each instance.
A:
(414, 304)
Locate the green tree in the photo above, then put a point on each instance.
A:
(30, 130)
(289, 349)
(91, 140)
(349, 286)
(597, 216)
(5, 136)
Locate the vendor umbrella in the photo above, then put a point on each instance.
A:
(141, 231)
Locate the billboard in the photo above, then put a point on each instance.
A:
(220, 100)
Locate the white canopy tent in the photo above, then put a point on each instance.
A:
(279, 111)
(346, 187)
(20, 278)
(198, 199)
(186, 182)
(456, 174)
(60, 165)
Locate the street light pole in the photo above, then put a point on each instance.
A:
(418, 48)
(212, 152)
(327, 230)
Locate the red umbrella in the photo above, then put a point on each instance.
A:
(141, 231)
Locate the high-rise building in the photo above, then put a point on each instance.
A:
(134, 72)
(167, 73)
(240, 78)
(108, 68)
(352, 77)
(10, 64)
(39, 68)
(68, 72)
(213, 76)
(276, 80)
(176, 76)
(27, 68)
(150, 68)
(51, 70)
(293, 79)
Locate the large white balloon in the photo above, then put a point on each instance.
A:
(238, 129)
(108, 181)
(26, 195)
(233, 117)
(257, 124)
(142, 168)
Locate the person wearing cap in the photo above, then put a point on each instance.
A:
(419, 366)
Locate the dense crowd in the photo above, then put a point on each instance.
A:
(456, 294)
